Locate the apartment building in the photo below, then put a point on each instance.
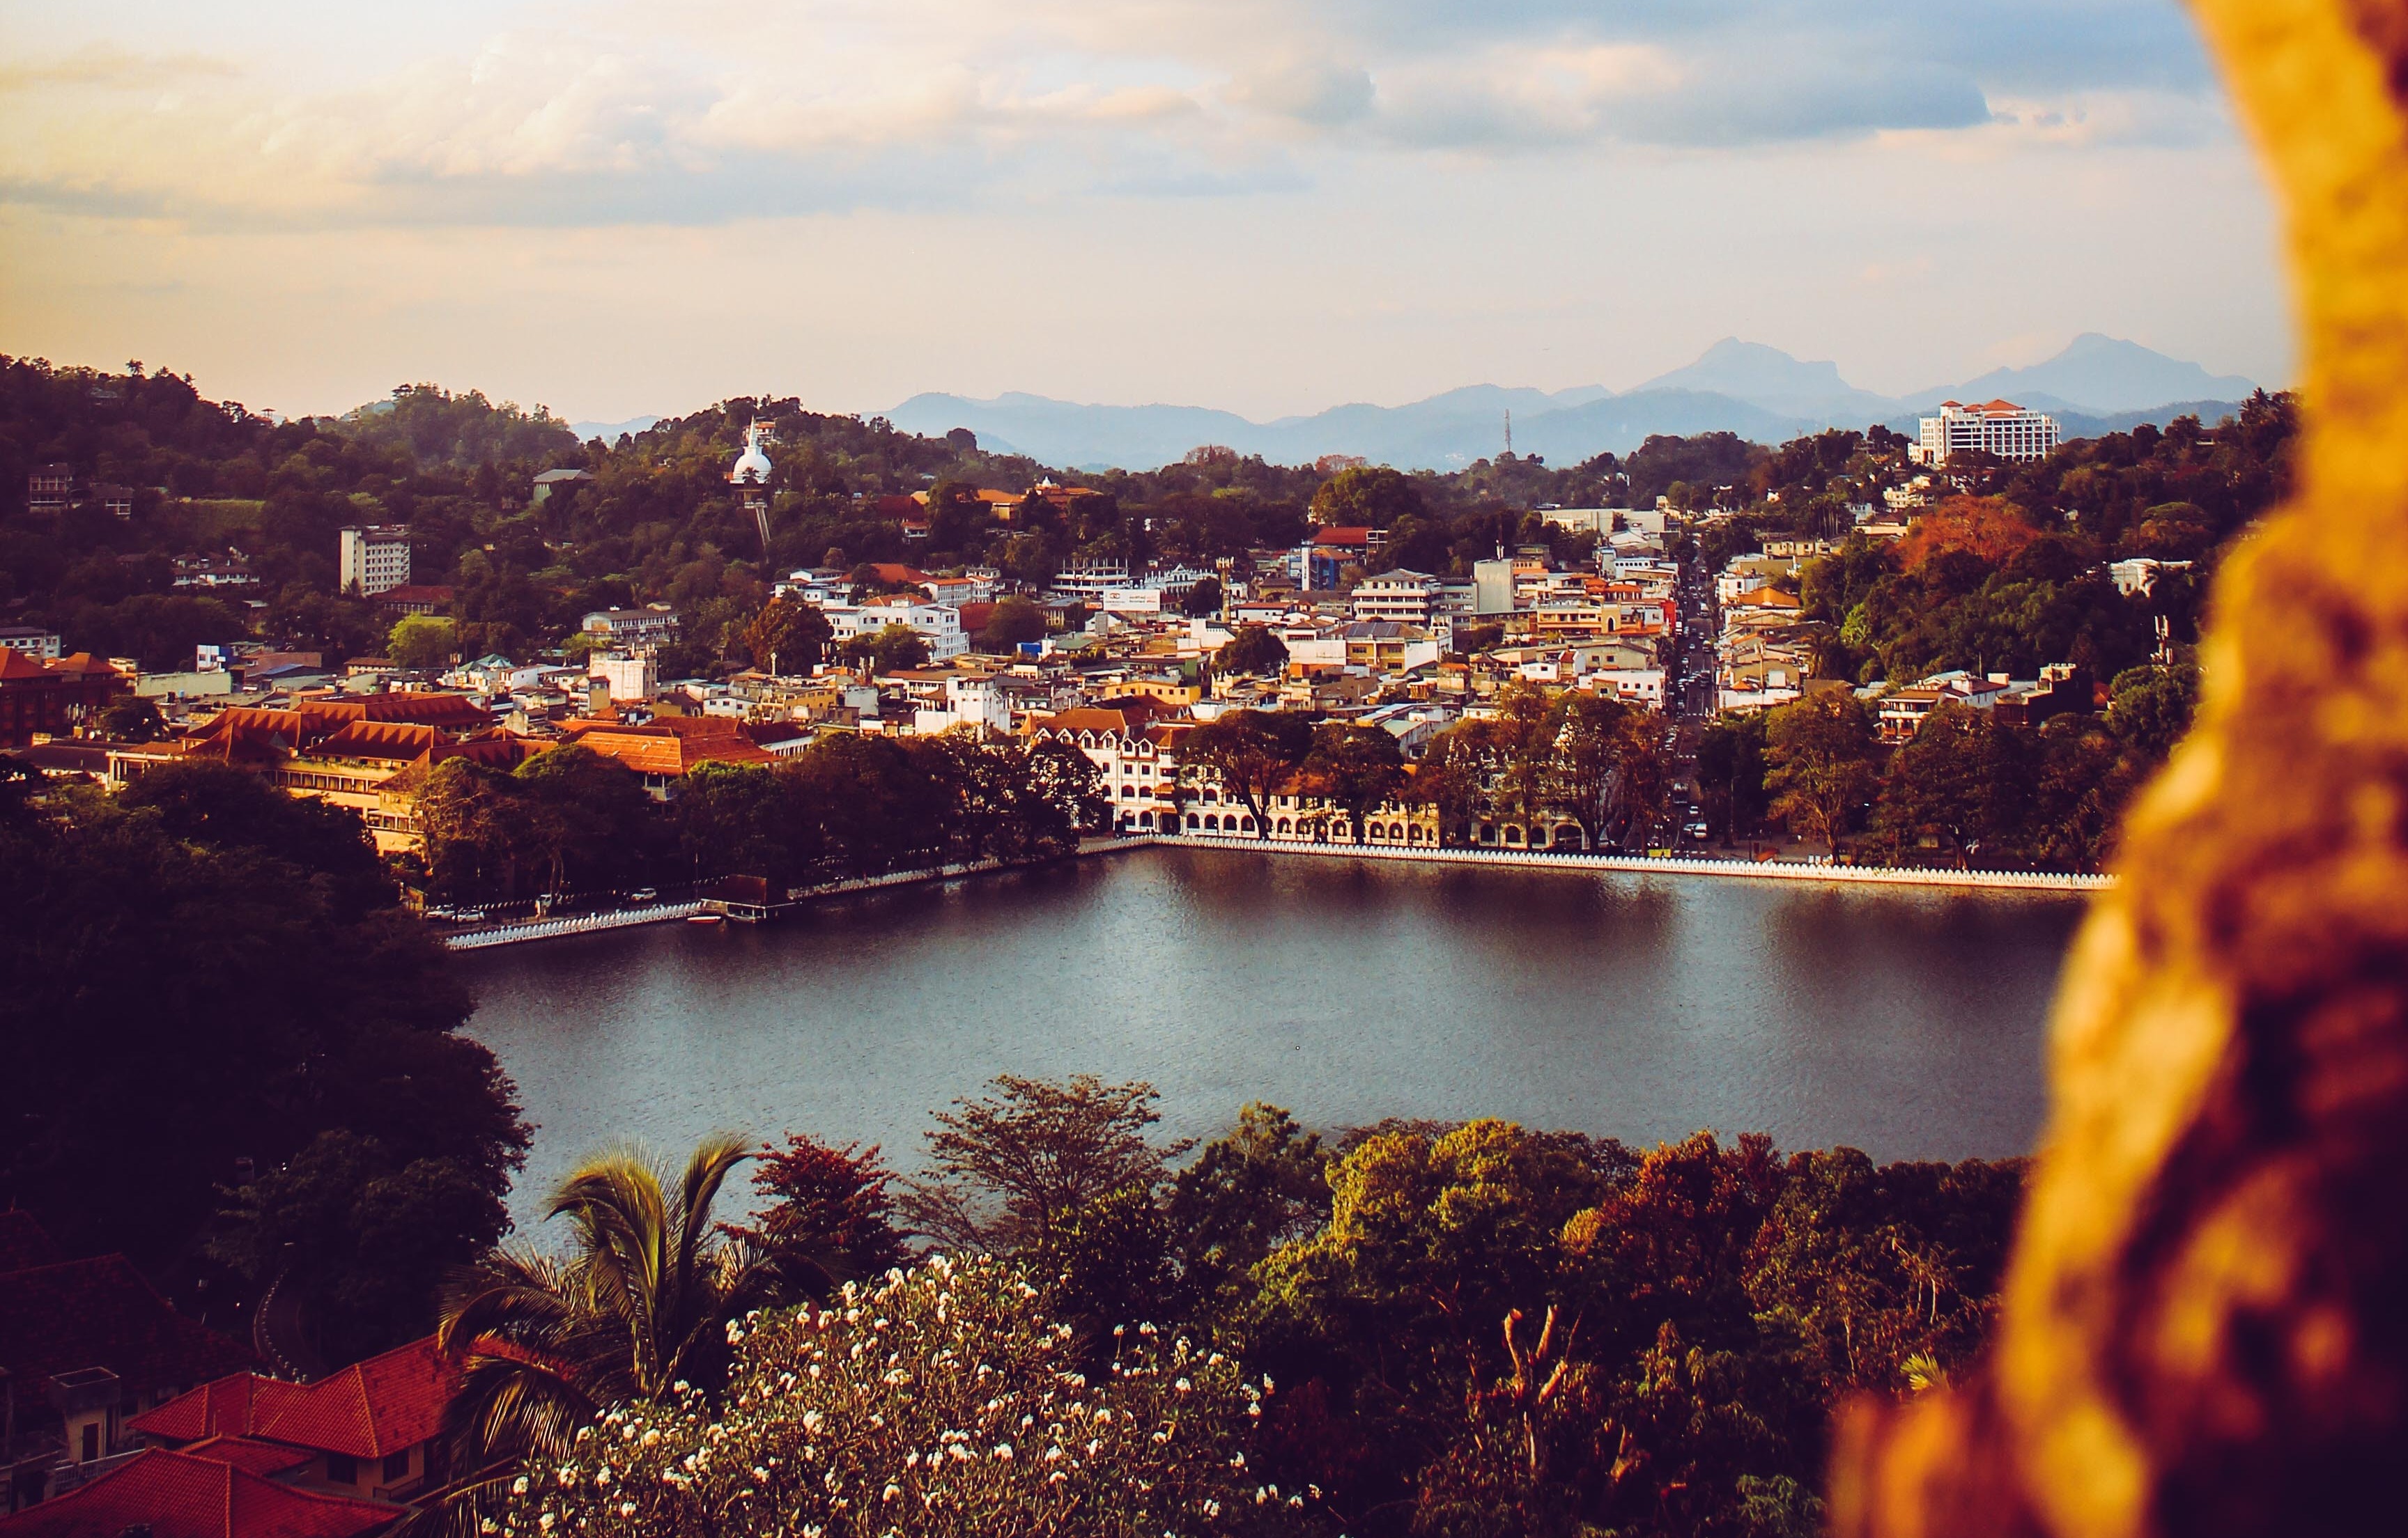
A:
(373, 559)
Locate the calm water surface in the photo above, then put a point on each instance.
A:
(1907, 1024)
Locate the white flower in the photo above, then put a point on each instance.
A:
(1211, 1508)
(545, 1521)
(893, 1492)
(567, 1477)
(602, 1477)
(1003, 1451)
(1214, 1359)
(1052, 1454)
(626, 1508)
(1102, 1415)
(519, 1486)
(651, 1436)
(1182, 1385)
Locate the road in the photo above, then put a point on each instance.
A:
(1689, 701)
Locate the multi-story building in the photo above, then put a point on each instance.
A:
(374, 559)
(52, 696)
(937, 624)
(41, 645)
(49, 489)
(633, 627)
(1407, 597)
(1998, 428)
(1137, 755)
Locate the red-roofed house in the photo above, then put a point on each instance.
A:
(53, 695)
(371, 1430)
(181, 1495)
(669, 748)
(85, 1344)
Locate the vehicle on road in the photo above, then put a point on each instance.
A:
(644, 894)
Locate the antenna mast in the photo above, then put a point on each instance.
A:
(1508, 430)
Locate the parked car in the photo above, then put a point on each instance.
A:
(440, 910)
(469, 916)
(644, 894)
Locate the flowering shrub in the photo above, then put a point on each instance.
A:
(939, 1402)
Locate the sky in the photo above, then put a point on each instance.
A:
(613, 208)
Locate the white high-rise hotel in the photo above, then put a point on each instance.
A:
(2000, 428)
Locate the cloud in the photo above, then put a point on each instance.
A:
(686, 111)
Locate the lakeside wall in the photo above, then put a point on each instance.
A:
(1742, 870)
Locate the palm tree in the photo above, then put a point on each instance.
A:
(640, 1304)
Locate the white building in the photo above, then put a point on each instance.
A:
(628, 626)
(627, 678)
(1407, 597)
(971, 700)
(1491, 587)
(937, 624)
(33, 642)
(1089, 582)
(1999, 428)
(374, 559)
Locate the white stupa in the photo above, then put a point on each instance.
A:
(753, 465)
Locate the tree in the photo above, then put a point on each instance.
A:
(944, 1403)
(2150, 708)
(422, 641)
(1452, 776)
(828, 1216)
(1014, 1167)
(1366, 496)
(1963, 780)
(1824, 765)
(1254, 650)
(364, 1236)
(638, 1308)
(1730, 774)
(305, 1003)
(1013, 621)
(893, 649)
(1203, 599)
(1251, 753)
(1358, 768)
(588, 820)
(788, 636)
(1605, 758)
(131, 719)
(1261, 1185)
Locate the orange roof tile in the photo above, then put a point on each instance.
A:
(367, 1410)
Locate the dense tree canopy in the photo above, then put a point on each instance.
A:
(303, 1048)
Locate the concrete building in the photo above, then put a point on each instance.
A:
(1407, 597)
(628, 678)
(2000, 428)
(40, 644)
(937, 624)
(627, 627)
(373, 559)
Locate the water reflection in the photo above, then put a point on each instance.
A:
(1644, 1007)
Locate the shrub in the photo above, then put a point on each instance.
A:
(940, 1402)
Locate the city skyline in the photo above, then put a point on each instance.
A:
(615, 212)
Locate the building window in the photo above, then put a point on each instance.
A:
(90, 1440)
(396, 1467)
(342, 1468)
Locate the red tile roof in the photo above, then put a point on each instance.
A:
(1343, 536)
(367, 1410)
(264, 1459)
(100, 1313)
(175, 1495)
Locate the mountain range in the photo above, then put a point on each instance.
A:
(2098, 384)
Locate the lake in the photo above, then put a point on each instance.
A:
(1904, 1022)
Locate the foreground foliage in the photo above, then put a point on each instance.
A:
(940, 1402)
